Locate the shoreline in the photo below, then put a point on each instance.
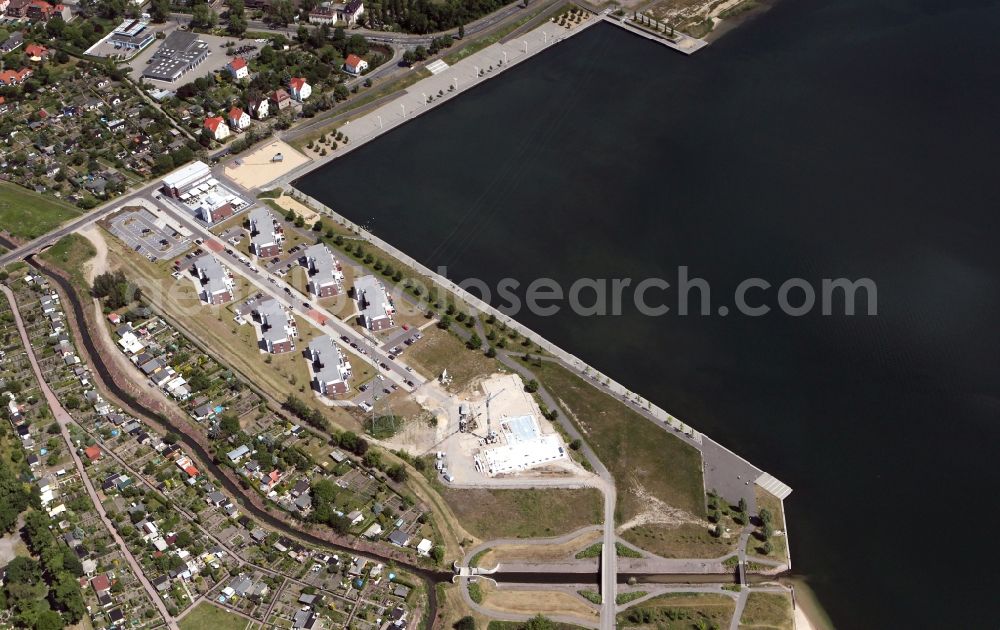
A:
(807, 609)
(436, 90)
(728, 25)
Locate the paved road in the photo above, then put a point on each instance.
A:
(78, 224)
(274, 287)
(386, 37)
(63, 419)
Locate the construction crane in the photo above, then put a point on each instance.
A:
(490, 434)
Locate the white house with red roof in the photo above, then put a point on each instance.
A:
(217, 127)
(355, 64)
(300, 89)
(238, 68)
(259, 108)
(238, 119)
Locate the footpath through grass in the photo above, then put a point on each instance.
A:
(644, 459)
(28, 215)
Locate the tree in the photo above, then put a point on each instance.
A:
(531, 386)
(465, 623)
(474, 342)
(229, 423)
(539, 622)
(23, 570)
(237, 18)
(159, 11)
(202, 16)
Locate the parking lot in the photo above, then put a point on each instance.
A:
(144, 233)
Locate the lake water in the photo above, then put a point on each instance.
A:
(852, 139)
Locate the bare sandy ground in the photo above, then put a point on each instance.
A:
(99, 263)
(258, 170)
(542, 601)
(539, 553)
(308, 214)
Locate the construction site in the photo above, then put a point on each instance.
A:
(489, 435)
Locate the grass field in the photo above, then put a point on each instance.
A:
(770, 611)
(27, 214)
(69, 254)
(205, 615)
(642, 457)
(680, 611)
(527, 513)
(779, 544)
(681, 541)
(439, 350)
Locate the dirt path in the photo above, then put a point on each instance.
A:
(99, 263)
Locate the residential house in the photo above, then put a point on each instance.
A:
(325, 276)
(14, 77)
(216, 285)
(265, 238)
(276, 329)
(299, 88)
(325, 14)
(399, 538)
(13, 42)
(217, 127)
(238, 68)
(330, 369)
(238, 119)
(36, 52)
(281, 99)
(258, 108)
(239, 453)
(350, 12)
(374, 306)
(355, 65)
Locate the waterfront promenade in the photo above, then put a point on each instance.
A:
(441, 87)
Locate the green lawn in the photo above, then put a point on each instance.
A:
(771, 611)
(680, 611)
(642, 457)
(527, 513)
(205, 615)
(28, 215)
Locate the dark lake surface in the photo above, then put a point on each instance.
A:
(857, 138)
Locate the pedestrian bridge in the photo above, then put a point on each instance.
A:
(461, 571)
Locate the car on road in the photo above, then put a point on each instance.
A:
(344, 338)
(383, 366)
(288, 291)
(363, 388)
(392, 357)
(410, 383)
(354, 345)
(306, 305)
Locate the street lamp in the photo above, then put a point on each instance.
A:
(403, 105)
(525, 42)
(379, 121)
(455, 82)
(505, 57)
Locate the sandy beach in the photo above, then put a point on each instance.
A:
(257, 169)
